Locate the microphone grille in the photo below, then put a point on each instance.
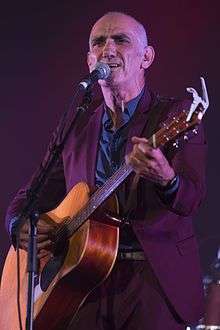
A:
(103, 69)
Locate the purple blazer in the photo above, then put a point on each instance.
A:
(164, 230)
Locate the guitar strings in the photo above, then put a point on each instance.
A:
(72, 224)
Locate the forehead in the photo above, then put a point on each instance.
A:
(113, 24)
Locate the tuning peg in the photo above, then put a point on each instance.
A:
(195, 130)
(185, 137)
(176, 119)
(176, 144)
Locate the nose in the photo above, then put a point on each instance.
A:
(109, 49)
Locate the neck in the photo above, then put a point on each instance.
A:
(115, 96)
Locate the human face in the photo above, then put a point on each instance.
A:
(116, 40)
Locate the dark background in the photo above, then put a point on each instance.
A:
(43, 55)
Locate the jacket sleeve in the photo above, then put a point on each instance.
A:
(52, 193)
(189, 163)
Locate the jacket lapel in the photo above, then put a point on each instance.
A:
(92, 143)
(138, 125)
(140, 119)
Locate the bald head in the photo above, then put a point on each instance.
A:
(141, 32)
(120, 41)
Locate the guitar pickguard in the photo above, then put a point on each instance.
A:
(51, 269)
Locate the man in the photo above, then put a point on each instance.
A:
(156, 281)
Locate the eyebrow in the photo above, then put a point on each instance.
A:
(114, 36)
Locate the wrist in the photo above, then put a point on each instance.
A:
(169, 179)
(169, 184)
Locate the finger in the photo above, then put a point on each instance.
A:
(25, 228)
(41, 238)
(136, 139)
(149, 153)
(23, 245)
(139, 151)
(42, 226)
(24, 236)
(145, 148)
(137, 159)
(44, 245)
(46, 221)
(135, 164)
(44, 253)
(25, 241)
(141, 169)
(157, 154)
(142, 157)
(140, 166)
(45, 229)
(145, 161)
(142, 148)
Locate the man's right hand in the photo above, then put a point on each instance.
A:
(45, 230)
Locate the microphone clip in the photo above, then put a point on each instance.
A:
(86, 101)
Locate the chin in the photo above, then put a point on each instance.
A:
(113, 80)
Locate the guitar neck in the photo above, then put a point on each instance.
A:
(98, 197)
(101, 195)
(168, 132)
(111, 184)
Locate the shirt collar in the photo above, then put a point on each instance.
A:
(130, 108)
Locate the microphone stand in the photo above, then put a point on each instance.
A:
(29, 210)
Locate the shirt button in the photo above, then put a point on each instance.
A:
(114, 166)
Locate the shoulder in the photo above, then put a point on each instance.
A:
(171, 102)
(169, 106)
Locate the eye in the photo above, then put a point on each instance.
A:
(98, 41)
(121, 39)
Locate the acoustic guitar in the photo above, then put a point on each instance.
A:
(86, 244)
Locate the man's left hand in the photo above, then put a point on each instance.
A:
(150, 163)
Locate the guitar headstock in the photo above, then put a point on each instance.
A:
(184, 121)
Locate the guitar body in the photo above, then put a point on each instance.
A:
(83, 264)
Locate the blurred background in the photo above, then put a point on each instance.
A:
(43, 56)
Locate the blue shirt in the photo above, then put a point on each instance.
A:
(112, 142)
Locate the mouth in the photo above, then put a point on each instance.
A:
(114, 66)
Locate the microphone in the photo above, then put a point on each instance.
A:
(101, 71)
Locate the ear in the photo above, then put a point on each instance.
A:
(91, 61)
(148, 57)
